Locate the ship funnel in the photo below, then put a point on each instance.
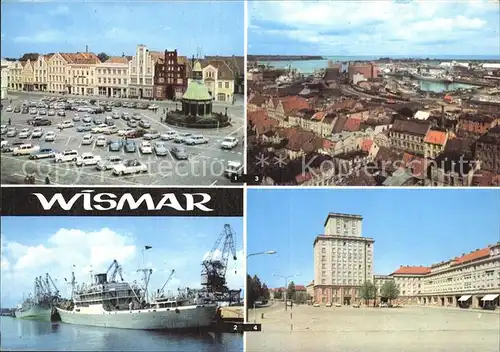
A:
(101, 278)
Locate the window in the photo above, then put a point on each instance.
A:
(227, 85)
(220, 84)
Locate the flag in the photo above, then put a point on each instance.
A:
(147, 247)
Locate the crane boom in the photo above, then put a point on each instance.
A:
(166, 282)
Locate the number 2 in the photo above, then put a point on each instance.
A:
(235, 327)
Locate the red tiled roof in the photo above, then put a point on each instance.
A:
(435, 137)
(261, 121)
(291, 103)
(352, 124)
(300, 288)
(479, 254)
(117, 60)
(412, 270)
(417, 165)
(367, 145)
(318, 116)
(328, 144)
(257, 100)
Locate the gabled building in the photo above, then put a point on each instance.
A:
(409, 135)
(5, 79)
(81, 77)
(28, 76)
(113, 77)
(435, 141)
(141, 72)
(58, 72)
(219, 79)
(41, 73)
(15, 75)
(170, 79)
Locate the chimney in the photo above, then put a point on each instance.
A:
(86, 49)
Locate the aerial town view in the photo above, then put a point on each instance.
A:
(124, 287)
(356, 273)
(382, 93)
(156, 105)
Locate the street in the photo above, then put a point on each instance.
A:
(205, 164)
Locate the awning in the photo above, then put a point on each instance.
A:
(489, 297)
(464, 298)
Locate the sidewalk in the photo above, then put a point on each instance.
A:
(239, 101)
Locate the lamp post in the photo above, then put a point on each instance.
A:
(286, 284)
(261, 253)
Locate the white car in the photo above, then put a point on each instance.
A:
(87, 159)
(233, 168)
(4, 129)
(181, 137)
(66, 124)
(100, 141)
(87, 139)
(99, 128)
(145, 147)
(50, 136)
(125, 132)
(33, 111)
(229, 143)
(25, 149)
(129, 167)
(110, 130)
(108, 163)
(169, 135)
(76, 117)
(37, 132)
(65, 156)
(197, 139)
(25, 133)
(9, 109)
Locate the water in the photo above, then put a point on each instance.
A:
(17, 334)
(439, 87)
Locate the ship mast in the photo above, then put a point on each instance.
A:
(146, 276)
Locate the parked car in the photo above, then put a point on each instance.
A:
(169, 135)
(100, 141)
(11, 132)
(229, 143)
(86, 118)
(42, 112)
(4, 129)
(136, 133)
(109, 121)
(181, 137)
(87, 159)
(66, 124)
(233, 168)
(328, 304)
(110, 130)
(24, 110)
(98, 121)
(132, 124)
(144, 124)
(160, 149)
(9, 109)
(9, 147)
(87, 139)
(136, 116)
(66, 155)
(61, 113)
(17, 109)
(145, 147)
(152, 135)
(24, 133)
(76, 117)
(125, 116)
(129, 147)
(179, 152)
(51, 112)
(41, 122)
(129, 167)
(115, 115)
(197, 139)
(25, 149)
(316, 305)
(33, 111)
(100, 128)
(37, 132)
(86, 127)
(153, 107)
(50, 136)
(125, 131)
(115, 146)
(108, 163)
(43, 154)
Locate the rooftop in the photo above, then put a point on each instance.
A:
(340, 215)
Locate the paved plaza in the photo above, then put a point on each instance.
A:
(205, 164)
(348, 329)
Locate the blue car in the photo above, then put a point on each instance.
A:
(115, 146)
(130, 147)
(43, 154)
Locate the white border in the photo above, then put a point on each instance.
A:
(245, 98)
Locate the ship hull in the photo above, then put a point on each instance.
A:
(432, 79)
(189, 317)
(35, 312)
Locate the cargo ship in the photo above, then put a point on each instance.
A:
(40, 306)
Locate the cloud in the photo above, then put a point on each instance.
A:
(365, 28)
(45, 36)
(59, 10)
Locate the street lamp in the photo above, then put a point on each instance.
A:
(260, 253)
(286, 284)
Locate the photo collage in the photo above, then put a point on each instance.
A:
(160, 182)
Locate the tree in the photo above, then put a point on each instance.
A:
(290, 294)
(367, 291)
(103, 57)
(389, 291)
(278, 294)
(265, 292)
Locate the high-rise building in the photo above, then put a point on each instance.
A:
(343, 260)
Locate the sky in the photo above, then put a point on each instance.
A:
(116, 27)
(408, 28)
(410, 227)
(34, 246)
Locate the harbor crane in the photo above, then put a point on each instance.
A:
(117, 269)
(160, 292)
(213, 273)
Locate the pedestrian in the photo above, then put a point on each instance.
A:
(47, 180)
(161, 119)
(10, 121)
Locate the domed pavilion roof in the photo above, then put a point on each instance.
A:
(196, 90)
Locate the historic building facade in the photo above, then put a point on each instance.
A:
(27, 76)
(40, 73)
(170, 76)
(81, 75)
(343, 260)
(219, 79)
(5, 79)
(113, 77)
(57, 73)
(141, 72)
(15, 75)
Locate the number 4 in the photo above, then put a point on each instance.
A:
(255, 327)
